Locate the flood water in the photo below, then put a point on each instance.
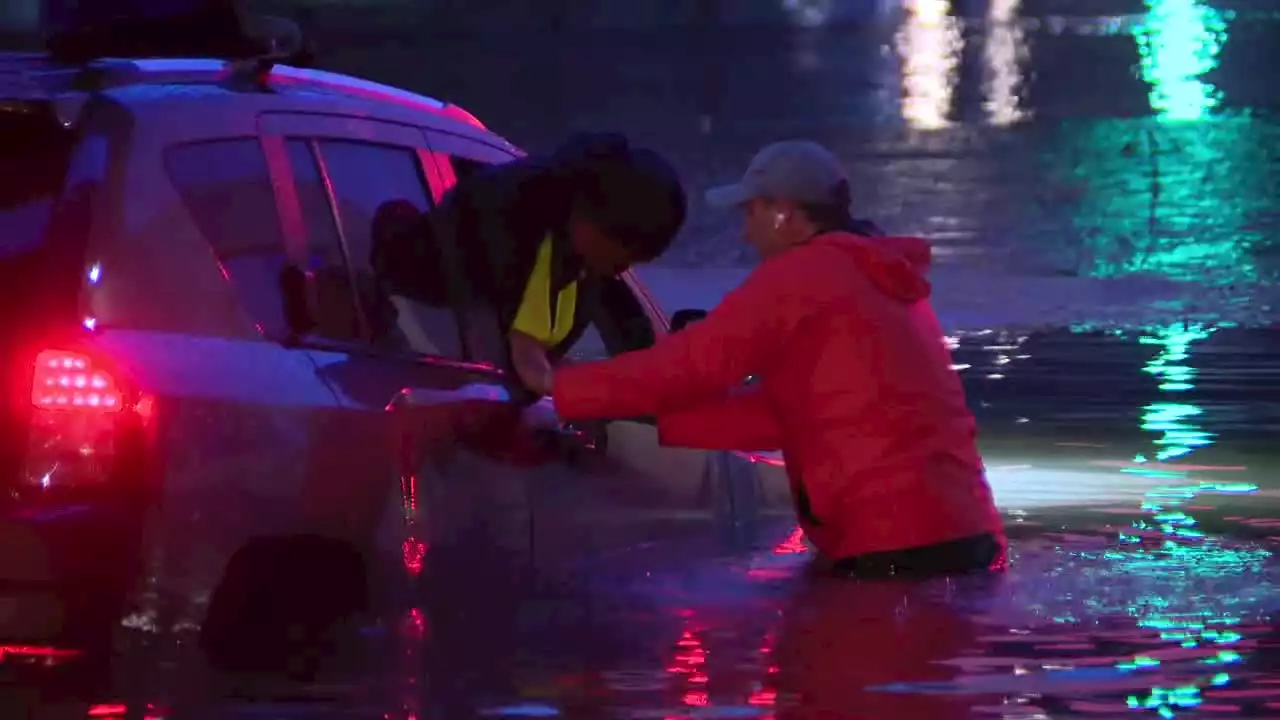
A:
(1137, 471)
(1137, 475)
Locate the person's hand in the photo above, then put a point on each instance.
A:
(534, 373)
(538, 380)
(529, 359)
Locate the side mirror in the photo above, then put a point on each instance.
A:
(684, 318)
(296, 291)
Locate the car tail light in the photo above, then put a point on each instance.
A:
(71, 381)
(79, 409)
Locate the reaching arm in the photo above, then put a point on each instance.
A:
(738, 422)
(741, 337)
(530, 361)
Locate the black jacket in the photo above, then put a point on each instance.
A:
(489, 228)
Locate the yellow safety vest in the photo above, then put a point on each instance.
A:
(538, 317)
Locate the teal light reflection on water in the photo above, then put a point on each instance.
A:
(1179, 42)
(1175, 421)
(1178, 194)
(1168, 541)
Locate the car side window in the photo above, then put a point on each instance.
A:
(590, 346)
(623, 325)
(336, 315)
(227, 189)
(379, 189)
(632, 328)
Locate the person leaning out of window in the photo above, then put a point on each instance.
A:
(535, 234)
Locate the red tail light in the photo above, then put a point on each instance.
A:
(71, 381)
(76, 423)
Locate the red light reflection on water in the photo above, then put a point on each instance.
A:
(793, 545)
(765, 696)
(413, 633)
(119, 711)
(689, 663)
(37, 651)
(415, 624)
(414, 551)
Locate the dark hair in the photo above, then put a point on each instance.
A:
(634, 195)
(832, 214)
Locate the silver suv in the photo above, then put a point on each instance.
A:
(221, 417)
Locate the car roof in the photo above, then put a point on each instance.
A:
(33, 76)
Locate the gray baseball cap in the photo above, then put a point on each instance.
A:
(798, 170)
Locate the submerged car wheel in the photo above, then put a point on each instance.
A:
(281, 604)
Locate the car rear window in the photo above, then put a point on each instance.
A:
(35, 151)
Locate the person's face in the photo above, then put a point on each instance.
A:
(768, 225)
(602, 254)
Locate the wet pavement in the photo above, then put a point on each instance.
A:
(1137, 471)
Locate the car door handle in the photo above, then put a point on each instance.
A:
(574, 442)
(590, 436)
(570, 440)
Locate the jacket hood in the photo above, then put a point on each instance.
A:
(895, 265)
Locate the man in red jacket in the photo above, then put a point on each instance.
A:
(855, 383)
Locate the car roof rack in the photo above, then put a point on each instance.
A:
(264, 73)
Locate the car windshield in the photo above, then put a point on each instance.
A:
(34, 152)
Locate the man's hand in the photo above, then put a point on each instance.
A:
(529, 358)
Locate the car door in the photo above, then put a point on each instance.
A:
(183, 294)
(416, 414)
(678, 489)
(620, 487)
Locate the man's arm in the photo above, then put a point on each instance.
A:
(740, 337)
(741, 421)
(530, 361)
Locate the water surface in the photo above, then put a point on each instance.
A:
(1137, 478)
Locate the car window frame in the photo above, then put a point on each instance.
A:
(277, 129)
(219, 253)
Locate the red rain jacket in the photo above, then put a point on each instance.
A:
(855, 387)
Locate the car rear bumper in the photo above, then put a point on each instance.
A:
(65, 570)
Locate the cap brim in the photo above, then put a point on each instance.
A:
(728, 196)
